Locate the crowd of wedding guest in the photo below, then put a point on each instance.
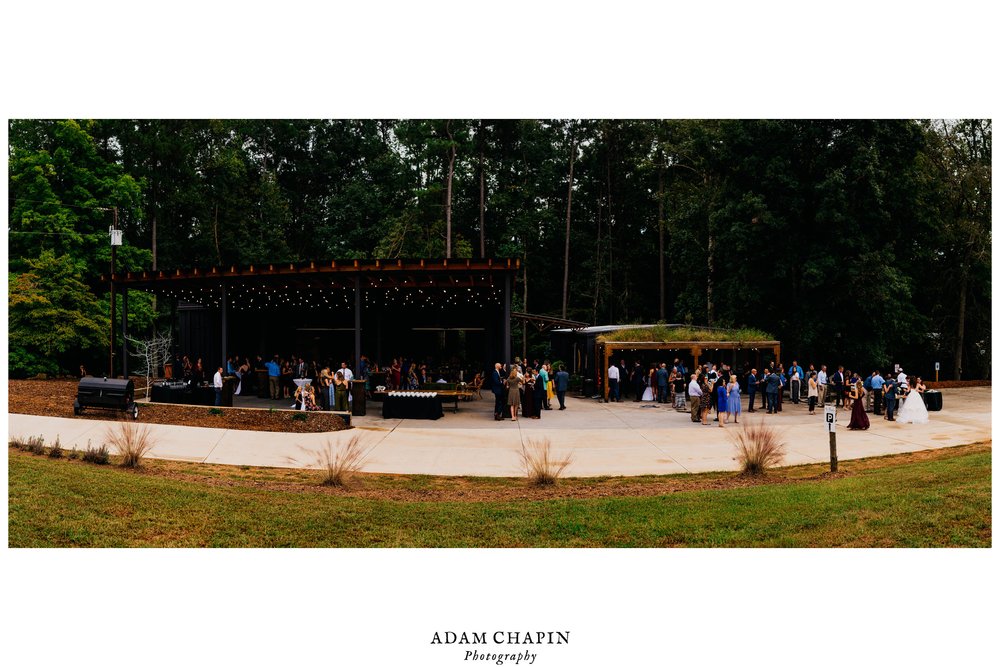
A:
(718, 389)
(281, 378)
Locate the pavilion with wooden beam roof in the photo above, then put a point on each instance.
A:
(402, 296)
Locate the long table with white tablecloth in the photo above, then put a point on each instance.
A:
(415, 406)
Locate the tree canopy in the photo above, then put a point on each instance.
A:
(858, 241)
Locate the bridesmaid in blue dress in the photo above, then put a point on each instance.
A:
(733, 400)
(721, 403)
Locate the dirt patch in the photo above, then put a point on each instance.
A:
(54, 398)
(421, 488)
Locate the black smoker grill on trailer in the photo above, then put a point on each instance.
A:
(107, 394)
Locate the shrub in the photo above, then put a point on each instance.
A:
(299, 417)
(101, 456)
(759, 447)
(56, 451)
(19, 442)
(539, 465)
(215, 411)
(35, 445)
(74, 454)
(339, 462)
(132, 441)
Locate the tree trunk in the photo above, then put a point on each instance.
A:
(153, 212)
(960, 334)
(524, 325)
(154, 246)
(659, 205)
(451, 174)
(597, 271)
(611, 238)
(569, 210)
(709, 304)
(482, 209)
(710, 273)
(215, 225)
(482, 195)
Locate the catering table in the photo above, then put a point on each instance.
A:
(424, 406)
(183, 395)
(452, 396)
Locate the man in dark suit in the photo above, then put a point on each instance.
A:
(773, 387)
(838, 385)
(890, 389)
(752, 386)
(638, 378)
(498, 393)
(562, 384)
(661, 384)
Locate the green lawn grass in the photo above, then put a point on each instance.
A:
(945, 502)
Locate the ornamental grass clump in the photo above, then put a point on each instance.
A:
(540, 466)
(100, 455)
(759, 447)
(132, 441)
(339, 462)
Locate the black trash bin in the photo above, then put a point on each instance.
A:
(263, 391)
(933, 400)
(358, 407)
(228, 387)
(588, 388)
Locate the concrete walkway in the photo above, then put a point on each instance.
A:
(603, 439)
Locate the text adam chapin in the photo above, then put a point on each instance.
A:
(502, 638)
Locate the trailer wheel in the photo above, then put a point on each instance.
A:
(135, 412)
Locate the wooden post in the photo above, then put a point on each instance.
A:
(830, 414)
(224, 326)
(602, 371)
(506, 320)
(833, 451)
(357, 323)
(777, 355)
(696, 353)
(125, 332)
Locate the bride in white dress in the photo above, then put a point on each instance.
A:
(913, 411)
(648, 394)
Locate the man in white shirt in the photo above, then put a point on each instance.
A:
(348, 375)
(613, 383)
(694, 391)
(901, 378)
(217, 383)
(821, 381)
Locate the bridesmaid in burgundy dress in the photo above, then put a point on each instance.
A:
(859, 419)
(528, 404)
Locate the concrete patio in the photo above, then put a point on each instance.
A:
(604, 439)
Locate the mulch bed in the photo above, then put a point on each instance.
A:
(54, 398)
(957, 384)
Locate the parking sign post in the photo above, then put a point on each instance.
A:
(830, 415)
